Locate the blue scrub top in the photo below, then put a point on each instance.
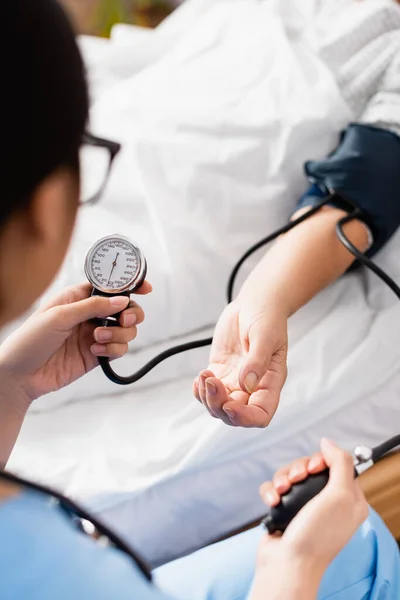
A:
(44, 557)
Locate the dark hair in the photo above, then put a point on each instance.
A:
(44, 101)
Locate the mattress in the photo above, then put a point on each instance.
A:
(217, 110)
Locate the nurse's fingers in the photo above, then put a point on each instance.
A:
(269, 494)
(111, 351)
(298, 470)
(340, 463)
(145, 288)
(316, 463)
(133, 315)
(271, 491)
(115, 335)
(281, 480)
(284, 478)
(293, 473)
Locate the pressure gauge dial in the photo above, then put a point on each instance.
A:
(114, 265)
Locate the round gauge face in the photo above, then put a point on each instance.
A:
(113, 264)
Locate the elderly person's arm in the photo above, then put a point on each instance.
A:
(247, 368)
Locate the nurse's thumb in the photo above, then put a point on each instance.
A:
(340, 463)
(71, 315)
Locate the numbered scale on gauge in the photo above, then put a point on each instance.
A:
(115, 266)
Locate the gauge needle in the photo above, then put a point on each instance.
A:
(113, 267)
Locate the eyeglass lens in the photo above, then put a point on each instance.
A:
(94, 166)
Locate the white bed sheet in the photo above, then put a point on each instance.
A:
(202, 176)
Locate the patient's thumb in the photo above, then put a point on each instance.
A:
(255, 365)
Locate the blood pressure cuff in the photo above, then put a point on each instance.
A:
(364, 172)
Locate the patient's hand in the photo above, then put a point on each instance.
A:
(57, 344)
(251, 334)
(247, 369)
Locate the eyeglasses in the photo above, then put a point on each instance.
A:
(96, 157)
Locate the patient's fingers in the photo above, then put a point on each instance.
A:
(211, 392)
(216, 397)
(257, 412)
(196, 392)
(204, 392)
(263, 402)
(202, 386)
(246, 415)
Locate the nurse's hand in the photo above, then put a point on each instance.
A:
(321, 529)
(57, 345)
(247, 369)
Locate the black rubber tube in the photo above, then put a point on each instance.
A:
(129, 379)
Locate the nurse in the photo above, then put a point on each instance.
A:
(332, 549)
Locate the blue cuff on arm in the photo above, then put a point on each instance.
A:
(364, 171)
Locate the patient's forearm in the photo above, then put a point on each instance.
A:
(303, 262)
(13, 408)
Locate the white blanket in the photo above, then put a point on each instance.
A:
(214, 133)
(217, 110)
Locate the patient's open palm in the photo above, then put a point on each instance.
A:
(247, 369)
